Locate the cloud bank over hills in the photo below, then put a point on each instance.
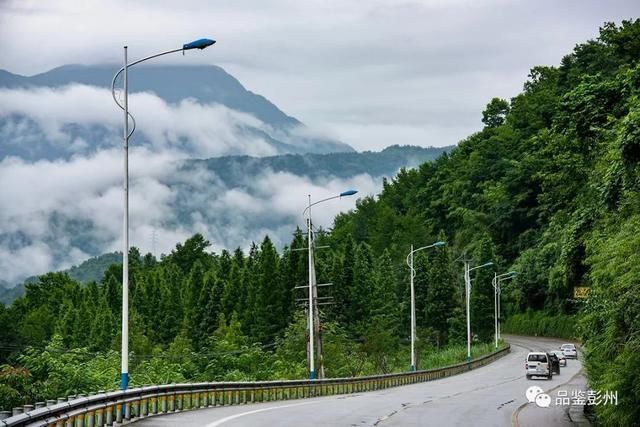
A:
(61, 167)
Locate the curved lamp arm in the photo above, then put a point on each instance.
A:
(198, 44)
(433, 245)
(343, 194)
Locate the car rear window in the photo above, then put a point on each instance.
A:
(537, 358)
(569, 346)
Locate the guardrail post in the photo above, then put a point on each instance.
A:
(144, 407)
(99, 417)
(163, 404)
(135, 409)
(119, 413)
(4, 415)
(173, 401)
(109, 415)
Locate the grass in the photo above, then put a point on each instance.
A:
(453, 355)
(540, 323)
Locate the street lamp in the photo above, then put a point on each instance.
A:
(467, 282)
(412, 272)
(197, 44)
(313, 312)
(497, 278)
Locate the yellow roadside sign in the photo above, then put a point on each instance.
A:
(580, 292)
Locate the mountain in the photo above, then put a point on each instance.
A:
(233, 170)
(90, 270)
(94, 268)
(233, 200)
(205, 85)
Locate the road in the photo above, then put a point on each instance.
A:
(493, 395)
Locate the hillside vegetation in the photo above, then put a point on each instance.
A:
(549, 188)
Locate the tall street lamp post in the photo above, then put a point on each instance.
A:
(412, 274)
(497, 279)
(313, 309)
(198, 44)
(467, 282)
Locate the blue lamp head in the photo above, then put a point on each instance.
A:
(439, 244)
(487, 264)
(198, 44)
(348, 193)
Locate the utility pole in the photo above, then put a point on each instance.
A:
(313, 291)
(316, 316)
(467, 292)
(412, 273)
(413, 312)
(312, 373)
(495, 305)
(467, 285)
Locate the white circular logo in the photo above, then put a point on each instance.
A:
(543, 400)
(532, 392)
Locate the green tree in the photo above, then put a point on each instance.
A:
(495, 113)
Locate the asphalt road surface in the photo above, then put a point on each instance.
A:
(493, 395)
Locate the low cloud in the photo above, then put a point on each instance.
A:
(193, 128)
(58, 212)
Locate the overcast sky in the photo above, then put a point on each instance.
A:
(374, 73)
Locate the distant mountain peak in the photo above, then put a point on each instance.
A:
(207, 84)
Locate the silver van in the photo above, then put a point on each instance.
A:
(538, 364)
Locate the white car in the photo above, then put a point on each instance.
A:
(538, 365)
(561, 357)
(569, 351)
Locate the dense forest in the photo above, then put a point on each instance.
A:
(549, 188)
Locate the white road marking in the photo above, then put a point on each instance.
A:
(233, 417)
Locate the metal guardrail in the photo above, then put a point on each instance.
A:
(116, 407)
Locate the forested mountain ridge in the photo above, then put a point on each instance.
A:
(233, 170)
(91, 270)
(549, 188)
